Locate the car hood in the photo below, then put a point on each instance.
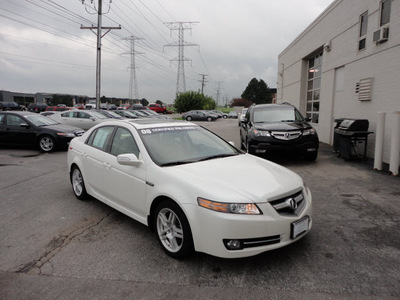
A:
(62, 128)
(236, 179)
(283, 126)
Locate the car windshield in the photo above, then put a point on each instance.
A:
(39, 120)
(177, 145)
(276, 115)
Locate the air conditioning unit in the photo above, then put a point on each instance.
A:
(381, 35)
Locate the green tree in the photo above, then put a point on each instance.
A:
(193, 100)
(257, 91)
(144, 102)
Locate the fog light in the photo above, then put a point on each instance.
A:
(233, 245)
(261, 151)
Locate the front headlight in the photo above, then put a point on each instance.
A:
(261, 133)
(230, 208)
(66, 134)
(310, 131)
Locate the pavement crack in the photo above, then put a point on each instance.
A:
(60, 242)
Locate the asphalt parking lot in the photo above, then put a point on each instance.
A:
(53, 246)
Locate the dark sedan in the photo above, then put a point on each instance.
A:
(199, 115)
(31, 129)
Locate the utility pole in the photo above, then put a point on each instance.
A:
(181, 27)
(133, 87)
(98, 56)
(203, 82)
(218, 91)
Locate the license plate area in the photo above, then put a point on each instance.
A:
(299, 227)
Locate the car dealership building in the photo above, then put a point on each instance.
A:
(346, 64)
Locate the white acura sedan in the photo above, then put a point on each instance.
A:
(194, 189)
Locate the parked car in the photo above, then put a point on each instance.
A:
(278, 127)
(84, 119)
(123, 106)
(37, 107)
(128, 114)
(219, 113)
(232, 115)
(136, 106)
(153, 114)
(155, 171)
(58, 108)
(109, 114)
(79, 106)
(32, 129)
(157, 108)
(242, 115)
(199, 115)
(7, 106)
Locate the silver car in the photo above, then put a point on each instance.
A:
(78, 118)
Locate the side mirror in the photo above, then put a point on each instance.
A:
(245, 121)
(93, 119)
(128, 159)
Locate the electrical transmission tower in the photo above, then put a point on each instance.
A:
(99, 36)
(133, 87)
(203, 82)
(181, 27)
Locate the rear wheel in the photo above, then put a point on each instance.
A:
(209, 119)
(173, 230)
(78, 185)
(47, 143)
(188, 118)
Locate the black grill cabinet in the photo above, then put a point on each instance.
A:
(348, 134)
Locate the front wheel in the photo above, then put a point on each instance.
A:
(173, 230)
(188, 118)
(47, 143)
(209, 119)
(78, 185)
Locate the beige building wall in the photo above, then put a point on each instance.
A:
(337, 33)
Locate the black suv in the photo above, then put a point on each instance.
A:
(37, 107)
(278, 127)
(6, 106)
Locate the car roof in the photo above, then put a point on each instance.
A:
(150, 123)
(283, 105)
(21, 113)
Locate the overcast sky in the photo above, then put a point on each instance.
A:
(43, 49)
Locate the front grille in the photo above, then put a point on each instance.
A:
(286, 135)
(292, 205)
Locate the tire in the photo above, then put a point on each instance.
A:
(173, 230)
(225, 116)
(78, 184)
(248, 148)
(47, 143)
(311, 156)
(188, 118)
(209, 119)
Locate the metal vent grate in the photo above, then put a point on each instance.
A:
(364, 88)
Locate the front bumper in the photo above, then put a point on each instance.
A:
(303, 145)
(212, 230)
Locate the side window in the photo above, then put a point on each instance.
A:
(12, 120)
(101, 137)
(124, 142)
(69, 114)
(2, 119)
(84, 115)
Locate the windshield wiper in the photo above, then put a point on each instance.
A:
(217, 156)
(176, 163)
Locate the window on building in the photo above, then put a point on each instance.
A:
(385, 12)
(363, 31)
(314, 87)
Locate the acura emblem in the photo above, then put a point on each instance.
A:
(291, 203)
(287, 135)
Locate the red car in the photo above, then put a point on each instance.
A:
(157, 108)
